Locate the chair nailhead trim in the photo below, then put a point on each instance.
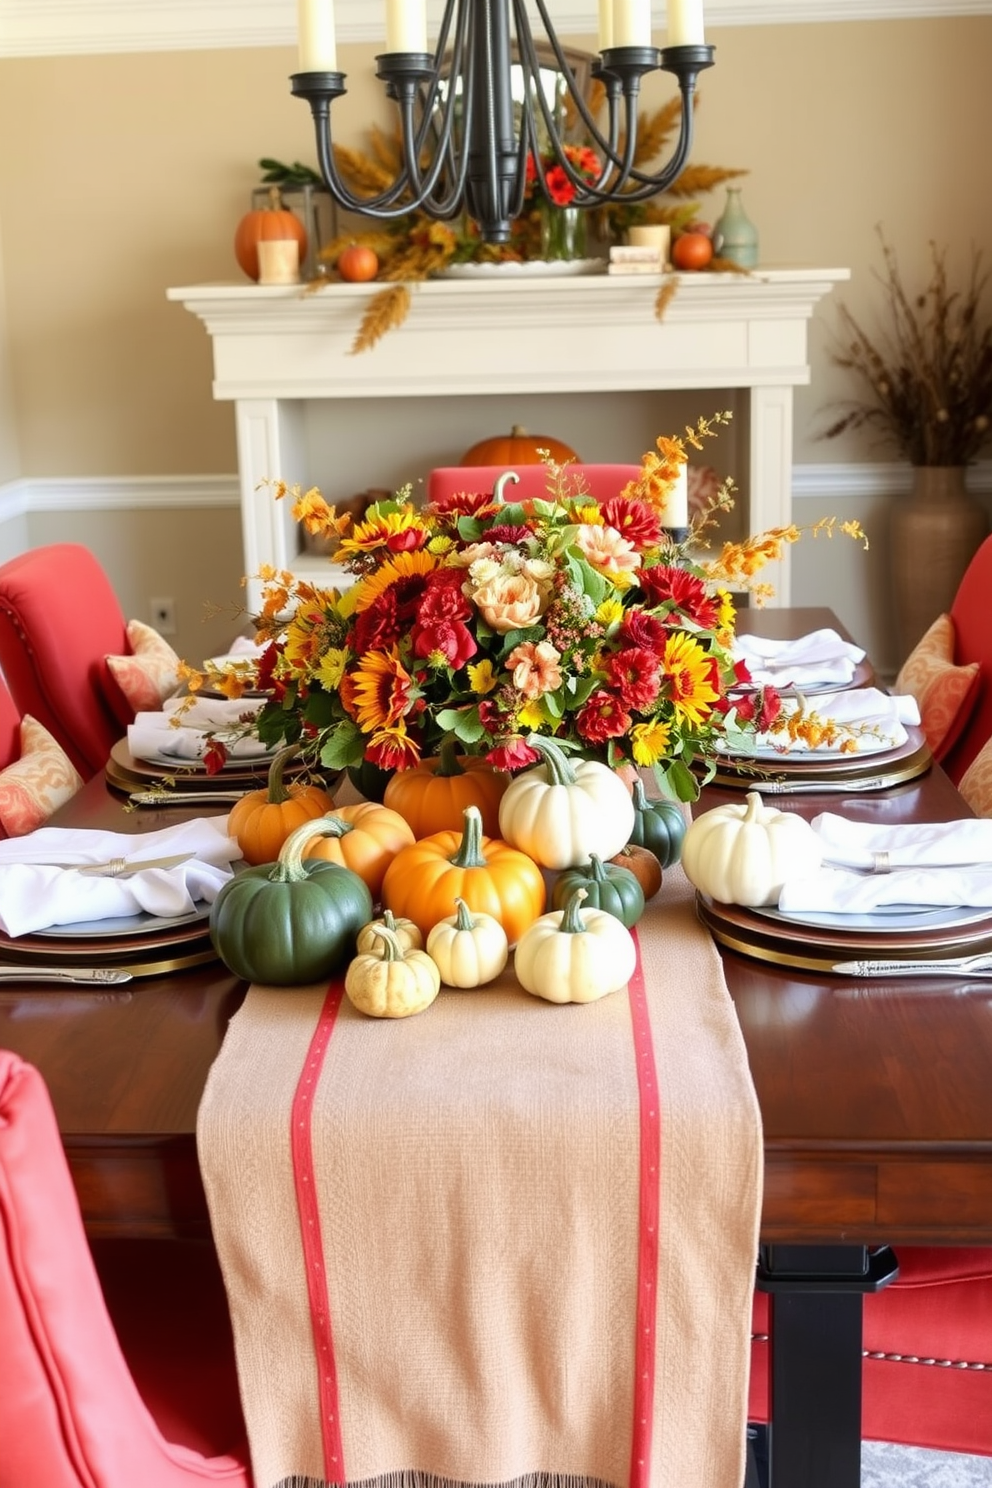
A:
(901, 1358)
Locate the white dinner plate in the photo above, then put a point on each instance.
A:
(896, 917)
(181, 762)
(798, 752)
(136, 924)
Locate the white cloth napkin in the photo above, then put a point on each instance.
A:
(866, 867)
(35, 895)
(153, 736)
(815, 660)
(880, 719)
(243, 648)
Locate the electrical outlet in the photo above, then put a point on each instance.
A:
(163, 613)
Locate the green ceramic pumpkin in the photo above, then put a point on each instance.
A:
(608, 887)
(293, 921)
(658, 825)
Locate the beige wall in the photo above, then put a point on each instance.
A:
(123, 175)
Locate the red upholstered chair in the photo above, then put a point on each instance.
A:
(10, 727)
(59, 619)
(973, 642)
(927, 1378)
(599, 480)
(74, 1411)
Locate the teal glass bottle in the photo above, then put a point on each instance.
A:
(735, 236)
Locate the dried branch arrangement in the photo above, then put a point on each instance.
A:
(925, 377)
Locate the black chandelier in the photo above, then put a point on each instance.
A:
(465, 141)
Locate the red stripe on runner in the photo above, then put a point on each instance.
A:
(313, 1249)
(649, 1214)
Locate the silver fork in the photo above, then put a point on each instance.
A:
(956, 966)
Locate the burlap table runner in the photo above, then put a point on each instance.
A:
(502, 1242)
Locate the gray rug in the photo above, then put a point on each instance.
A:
(886, 1466)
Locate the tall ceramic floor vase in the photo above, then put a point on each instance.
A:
(933, 536)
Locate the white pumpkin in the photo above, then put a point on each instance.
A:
(744, 854)
(575, 954)
(560, 812)
(468, 949)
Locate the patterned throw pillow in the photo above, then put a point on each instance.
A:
(35, 785)
(945, 693)
(151, 674)
(976, 782)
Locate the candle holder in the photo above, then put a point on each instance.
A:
(466, 140)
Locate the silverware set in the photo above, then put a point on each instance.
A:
(184, 798)
(947, 966)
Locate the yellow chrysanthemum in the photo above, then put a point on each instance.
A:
(481, 677)
(609, 615)
(331, 669)
(532, 717)
(589, 514)
(403, 566)
(649, 742)
(689, 673)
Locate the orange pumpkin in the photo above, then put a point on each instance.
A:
(517, 448)
(433, 795)
(423, 881)
(262, 820)
(369, 838)
(266, 224)
(643, 865)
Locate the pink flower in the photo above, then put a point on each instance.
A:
(513, 754)
(535, 668)
(606, 549)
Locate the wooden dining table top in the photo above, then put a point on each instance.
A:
(876, 1098)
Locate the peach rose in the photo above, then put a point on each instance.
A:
(607, 550)
(509, 602)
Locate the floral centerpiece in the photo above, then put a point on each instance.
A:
(492, 622)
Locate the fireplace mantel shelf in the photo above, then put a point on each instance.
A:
(277, 347)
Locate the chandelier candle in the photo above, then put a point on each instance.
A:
(468, 133)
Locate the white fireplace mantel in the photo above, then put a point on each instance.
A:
(277, 349)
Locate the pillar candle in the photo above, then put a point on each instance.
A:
(632, 23)
(605, 24)
(278, 261)
(406, 26)
(675, 512)
(685, 23)
(318, 51)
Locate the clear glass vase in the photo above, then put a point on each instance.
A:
(563, 232)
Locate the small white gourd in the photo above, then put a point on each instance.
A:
(745, 854)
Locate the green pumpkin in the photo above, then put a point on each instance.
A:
(609, 887)
(369, 780)
(290, 922)
(658, 825)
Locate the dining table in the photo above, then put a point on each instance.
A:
(874, 1095)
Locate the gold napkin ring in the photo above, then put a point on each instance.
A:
(880, 863)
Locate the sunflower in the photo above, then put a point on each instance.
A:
(382, 687)
(689, 670)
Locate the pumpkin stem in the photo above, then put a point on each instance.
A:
(290, 868)
(753, 803)
(391, 948)
(278, 791)
(463, 916)
(640, 795)
(470, 854)
(275, 200)
(571, 920)
(555, 759)
(447, 759)
(335, 826)
(598, 874)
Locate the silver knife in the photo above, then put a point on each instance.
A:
(955, 966)
(184, 798)
(121, 867)
(93, 976)
(823, 787)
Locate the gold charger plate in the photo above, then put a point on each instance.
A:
(126, 772)
(809, 947)
(831, 772)
(151, 949)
